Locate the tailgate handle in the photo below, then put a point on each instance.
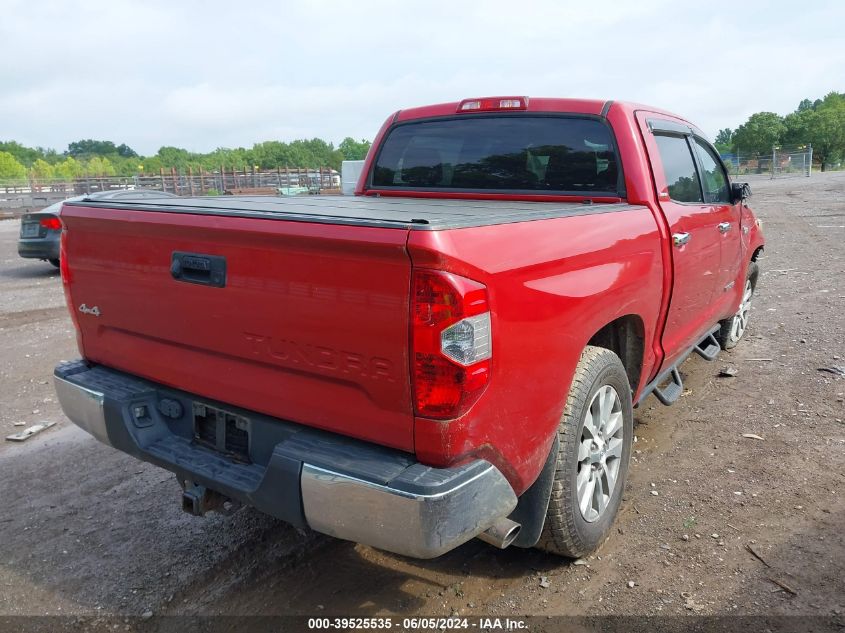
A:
(194, 268)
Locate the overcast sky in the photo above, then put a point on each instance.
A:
(208, 74)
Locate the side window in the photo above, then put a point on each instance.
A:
(715, 181)
(679, 168)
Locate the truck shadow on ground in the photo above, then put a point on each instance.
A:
(91, 530)
(104, 531)
(94, 531)
(324, 576)
(97, 530)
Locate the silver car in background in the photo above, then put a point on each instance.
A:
(41, 231)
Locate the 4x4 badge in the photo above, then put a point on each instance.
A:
(84, 309)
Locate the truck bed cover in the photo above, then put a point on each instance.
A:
(406, 213)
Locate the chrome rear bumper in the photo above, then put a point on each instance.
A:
(418, 524)
(341, 487)
(84, 407)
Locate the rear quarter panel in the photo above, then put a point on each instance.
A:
(552, 284)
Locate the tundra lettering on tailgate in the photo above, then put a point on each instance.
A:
(293, 354)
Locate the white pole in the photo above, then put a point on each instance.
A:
(773, 162)
(810, 166)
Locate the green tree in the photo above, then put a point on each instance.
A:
(42, 170)
(26, 156)
(272, 154)
(355, 150)
(821, 124)
(238, 158)
(828, 136)
(174, 157)
(314, 153)
(126, 166)
(50, 155)
(69, 169)
(89, 147)
(724, 140)
(152, 165)
(98, 166)
(10, 168)
(125, 151)
(759, 134)
(805, 104)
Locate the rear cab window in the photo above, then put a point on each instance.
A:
(505, 153)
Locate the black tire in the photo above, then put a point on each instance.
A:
(727, 335)
(566, 531)
(55, 262)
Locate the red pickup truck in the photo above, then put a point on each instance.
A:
(454, 352)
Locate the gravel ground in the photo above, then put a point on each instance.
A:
(86, 530)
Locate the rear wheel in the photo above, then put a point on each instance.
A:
(55, 262)
(595, 435)
(732, 329)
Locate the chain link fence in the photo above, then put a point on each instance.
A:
(782, 162)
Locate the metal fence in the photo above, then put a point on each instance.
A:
(782, 162)
(285, 181)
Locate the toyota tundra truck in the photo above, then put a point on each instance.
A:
(454, 352)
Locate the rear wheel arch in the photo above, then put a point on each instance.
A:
(572, 526)
(625, 337)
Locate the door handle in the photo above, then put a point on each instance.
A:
(679, 239)
(724, 227)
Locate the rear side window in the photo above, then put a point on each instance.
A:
(713, 174)
(500, 153)
(679, 168)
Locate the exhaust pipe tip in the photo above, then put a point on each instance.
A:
(501, 534)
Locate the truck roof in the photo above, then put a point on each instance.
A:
(595, 107)
(407, 213)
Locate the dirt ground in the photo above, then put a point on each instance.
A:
(87, 530)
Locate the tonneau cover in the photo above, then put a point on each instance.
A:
(386, 212)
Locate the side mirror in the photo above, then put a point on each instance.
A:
(740, 191)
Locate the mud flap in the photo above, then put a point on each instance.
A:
(530, 511)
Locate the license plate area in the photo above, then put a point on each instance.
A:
(30, 229)
(222, 431)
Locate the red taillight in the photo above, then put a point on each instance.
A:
(452, 346)
(488, 104)
(54, 224)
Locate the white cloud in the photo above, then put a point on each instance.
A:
(207, 74)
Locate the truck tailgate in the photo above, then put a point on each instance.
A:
(310, 326)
